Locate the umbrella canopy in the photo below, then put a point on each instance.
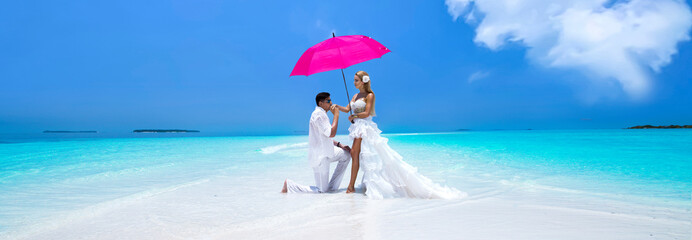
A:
(338, 53)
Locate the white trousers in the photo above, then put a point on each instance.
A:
(322, 182)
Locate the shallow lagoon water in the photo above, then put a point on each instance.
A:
(209, 187)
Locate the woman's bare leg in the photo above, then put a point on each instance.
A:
(355, 158)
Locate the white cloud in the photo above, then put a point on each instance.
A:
(612, 40)
(478, 75)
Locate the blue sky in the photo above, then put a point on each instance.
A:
(223, 66)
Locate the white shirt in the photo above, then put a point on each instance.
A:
(320, 145)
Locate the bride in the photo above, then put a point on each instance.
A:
(385, 174)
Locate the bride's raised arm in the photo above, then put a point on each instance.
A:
(347, 108)
(344, 109)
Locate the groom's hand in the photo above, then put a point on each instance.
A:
(347, 148)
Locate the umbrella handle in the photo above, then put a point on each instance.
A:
(350, 111)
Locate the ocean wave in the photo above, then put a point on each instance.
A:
(419, 134)
(532, 186)
(110, 174)
(281, 147)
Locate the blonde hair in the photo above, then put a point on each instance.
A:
(366, 85)
(360, 75)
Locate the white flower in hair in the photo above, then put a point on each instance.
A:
(366, 79)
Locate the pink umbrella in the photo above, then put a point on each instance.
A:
(338, 53)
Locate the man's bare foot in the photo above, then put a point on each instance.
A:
(350, 190)
(284, 189)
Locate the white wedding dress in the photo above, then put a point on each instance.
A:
(385, 174)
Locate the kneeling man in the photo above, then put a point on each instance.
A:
(323, 150)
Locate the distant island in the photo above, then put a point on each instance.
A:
(661, 127)
(50, 131)
(163, 131)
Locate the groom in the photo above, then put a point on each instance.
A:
(323, 150)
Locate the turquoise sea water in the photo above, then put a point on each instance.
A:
(43, 176)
